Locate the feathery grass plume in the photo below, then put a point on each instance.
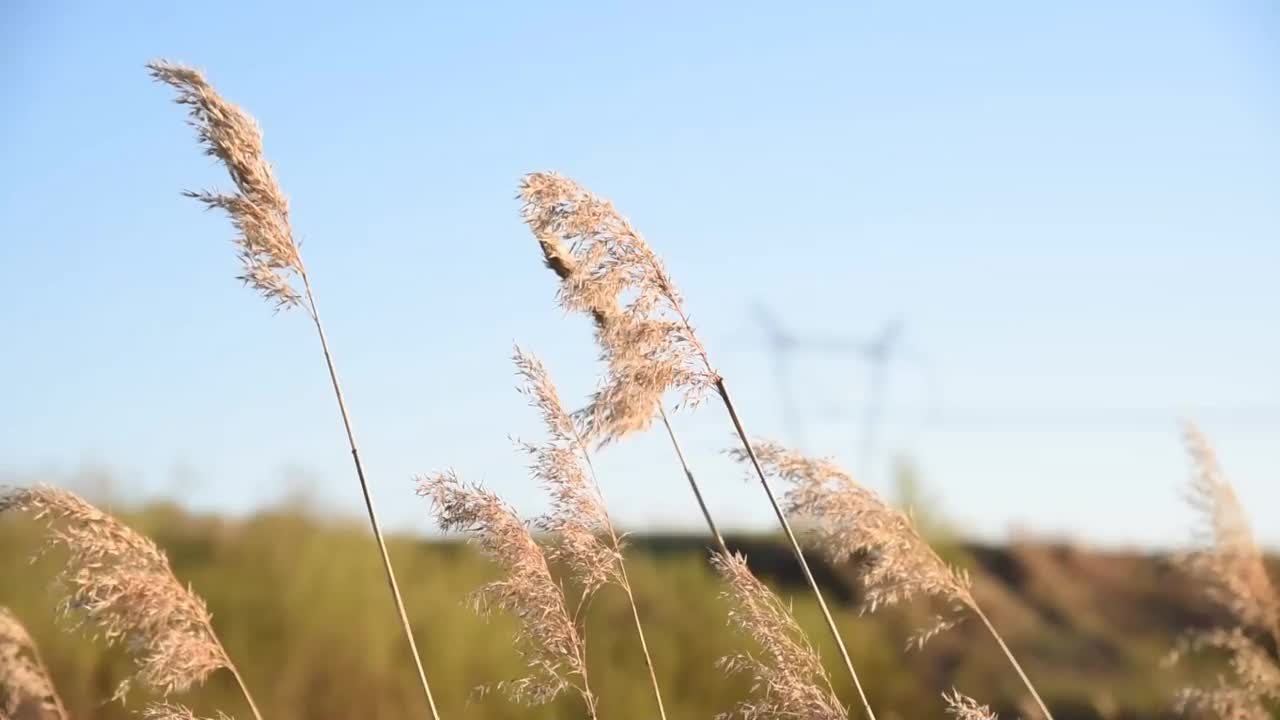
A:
(540, 191)
(607, 269)
(1229, 571)
(259, 210)
(787, 675)
(585, 538)
(119, 584)
(169, 711)
(26, 689)
(548, 638)
(964, 707)
(851, 519)
(578, 520)
(1228, 564)
(271, 259)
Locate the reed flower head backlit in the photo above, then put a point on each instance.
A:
(609, 272)
(963, 707)
(578, 520)
(1227, 563)
(787, 674)
(170, 711)
(547, 636)
(1228, 569)
(849, 519)
(120, 585)
(258, 209)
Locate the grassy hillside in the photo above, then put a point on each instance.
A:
(301, 605)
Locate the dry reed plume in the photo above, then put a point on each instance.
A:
(578, 520)
(608, 271)
(585, 538)
(119, 584)
(850, 519)
(269, 252)
(170, 711)
(1228, 570)
(547, 637)
(964, 707)
(787, 676)
(26, 689)
(545, 214)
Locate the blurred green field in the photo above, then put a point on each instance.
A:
(301, 605)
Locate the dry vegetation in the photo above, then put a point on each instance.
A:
(119, 586)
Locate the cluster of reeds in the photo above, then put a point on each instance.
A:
(118, 584)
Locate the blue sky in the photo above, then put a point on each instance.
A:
(1071, 209)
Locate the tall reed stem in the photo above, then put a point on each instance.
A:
(626, 581)
(693, 484)
(1012, 661)
(368, 502)
(244, 689)
(644, 645)
(795, 544)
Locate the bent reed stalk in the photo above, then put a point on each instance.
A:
(646, 340)
(271, 259)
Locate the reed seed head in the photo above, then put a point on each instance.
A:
(1221, 701)
(964, 707)
(1228, 568)
(848, 519)
(787, 675)
(1228, 563)
(578, 520)
(170, 711)
(547, 637)
(118, 584)
(26, 690)
(608, 271)
(258, 209)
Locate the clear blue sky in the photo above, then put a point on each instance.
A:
(1073, 208)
